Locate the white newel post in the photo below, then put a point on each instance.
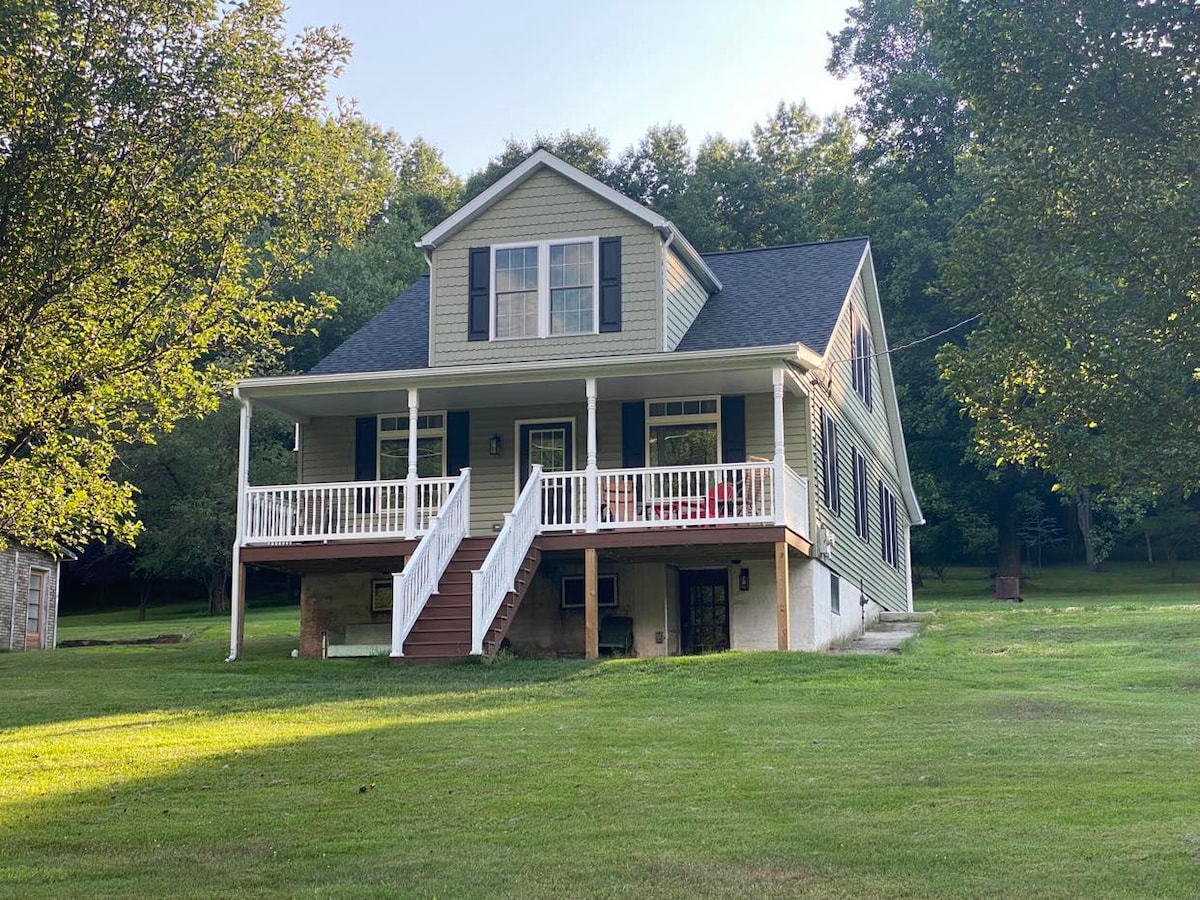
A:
(410, 487)
(592, 477)
(780, 491)
(237, 610)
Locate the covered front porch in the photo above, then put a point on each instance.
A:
(661, 445)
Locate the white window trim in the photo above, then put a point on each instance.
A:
(403, 434)
(543, 266)
(694, 419)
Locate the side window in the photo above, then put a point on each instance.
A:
(862, 509)
(835, 594)
(832, 490)
(860, 365)
(888, 545)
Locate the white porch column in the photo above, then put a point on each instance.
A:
(777, 388)
(410, 487)
(237, 604)
(592, 476)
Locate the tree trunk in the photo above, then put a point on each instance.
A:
(1083, 514)
(1010, 543)
(218, 591)
(143, 601)
(1149, 550)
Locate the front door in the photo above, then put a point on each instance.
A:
(35, 609)
(704, 610)
(549, 445)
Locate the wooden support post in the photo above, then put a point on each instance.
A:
(783, 608)
(591, 604)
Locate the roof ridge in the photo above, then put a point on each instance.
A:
(845, 240)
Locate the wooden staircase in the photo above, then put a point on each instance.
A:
(442, 633)
(508, 608)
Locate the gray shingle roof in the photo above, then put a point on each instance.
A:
(775, 295)
(397, 338)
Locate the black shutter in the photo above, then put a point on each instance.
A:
(610, 284)
(458, 441)
(366, 430)
(633, 434)
(733, 429)
(365, 433)
(478, 293)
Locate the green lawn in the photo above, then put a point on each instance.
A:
(1032, 751)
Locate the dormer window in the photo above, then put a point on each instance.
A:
(545, 288)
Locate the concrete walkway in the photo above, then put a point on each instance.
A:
(886, 635)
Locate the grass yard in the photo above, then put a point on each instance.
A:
(1032, 751)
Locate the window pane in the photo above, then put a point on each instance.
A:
(548, 449)
(570, 310)
(571, 265)
(393, 458)
(658, 409)
(516, 315)
(708, 406)
(683, 445)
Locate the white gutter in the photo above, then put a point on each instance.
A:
(522, 372)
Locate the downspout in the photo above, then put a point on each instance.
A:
(663, 280)
(12, 620)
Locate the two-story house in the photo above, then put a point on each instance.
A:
(577, 433)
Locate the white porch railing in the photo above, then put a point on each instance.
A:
(285, 513)
(795, 501)
(424, 569)
(497, 576)
(665, 497)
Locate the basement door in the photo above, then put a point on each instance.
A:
(704, 610)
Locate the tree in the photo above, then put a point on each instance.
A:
(163, 166)
(585, 150)
(186, 484)
(914, 128)
(369, 275)
(1081, 252)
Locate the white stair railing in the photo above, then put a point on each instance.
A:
(424, 569)
(498, 574)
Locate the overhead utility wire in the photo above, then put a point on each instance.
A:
(890, 350)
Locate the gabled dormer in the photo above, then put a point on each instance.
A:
(549, 263)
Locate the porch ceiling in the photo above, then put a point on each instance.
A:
(301, 399)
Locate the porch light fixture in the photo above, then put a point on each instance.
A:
(494, 445)
(744, 580)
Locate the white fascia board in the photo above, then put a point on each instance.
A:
(891, 405)
(513, 179)
(518, 372)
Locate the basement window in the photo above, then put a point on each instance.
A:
(573, 591)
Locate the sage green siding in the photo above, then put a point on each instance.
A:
(327, 450)
(853, 557)
(684, 296)
(547, 206)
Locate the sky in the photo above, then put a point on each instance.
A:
(467, 75)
